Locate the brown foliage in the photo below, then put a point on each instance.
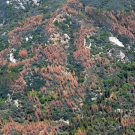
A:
(128, 80)
(80, 132)
(101, 107)
(72, 91)
(27, 24)
(87, 9)
(19, 84)
(110, 69)
(99, 59)
(65, 94)
(112, 16)
(114, 26)
(36, 70)
(80, 35)
(81, 91)
(111, 59)
(53, 54)
(125, 122)
(43, 90)
(134, 85)
(109, 109)
(49, 27)
(121, 21)
(72, 11)
(10, 119)
(116, 69)
(16, 87)
(50, 69)
(92, 85)
(3, 61)
(55, 13)
(64, 7)
(47, 84)
(125, 32)
(75, 83)
(19, 44)
(58, 79)
(80, 5)
(94, 108)
(29, 128)
(23, 53)
(82, 54)
(78, 118)
(73, 73)
(31, 48)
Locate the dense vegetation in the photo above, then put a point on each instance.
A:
(59, 72)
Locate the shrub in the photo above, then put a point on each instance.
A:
(127, 95)
(48, 98)
(42, 101)
(64, 84)
(11, 75)
(125, 86)
(58, 98)
(109, 81)
(81, 80)
(41, 119)
(107, 66)
(40, 95)
(98, 64)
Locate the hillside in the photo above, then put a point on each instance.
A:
(67, 67)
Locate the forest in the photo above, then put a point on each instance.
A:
(59, 72)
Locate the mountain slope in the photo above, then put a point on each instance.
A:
(67, 68)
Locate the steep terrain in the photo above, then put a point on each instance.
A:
(67, 67)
